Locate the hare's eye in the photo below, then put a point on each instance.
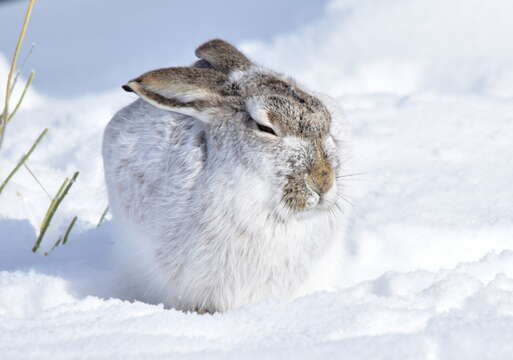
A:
(265, 129)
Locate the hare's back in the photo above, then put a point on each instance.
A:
(150, 155)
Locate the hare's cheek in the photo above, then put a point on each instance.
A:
(298, 196)
(331, 150)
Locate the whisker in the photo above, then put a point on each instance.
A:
(353, 174)
(346, 199)
(351, 177)
(339, 208)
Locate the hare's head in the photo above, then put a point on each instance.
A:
(255, 120)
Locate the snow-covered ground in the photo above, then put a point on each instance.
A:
(429, 265)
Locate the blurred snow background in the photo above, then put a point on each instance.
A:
(86, 46)
(427, 87)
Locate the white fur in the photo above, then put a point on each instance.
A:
(258, 111)
(211, 235)
(184, 96)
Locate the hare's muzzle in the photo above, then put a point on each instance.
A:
(320, 178)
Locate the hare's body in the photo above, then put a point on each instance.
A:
(203, 205)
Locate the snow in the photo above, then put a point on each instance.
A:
(464, 313)
(429, 265)
(400, 46)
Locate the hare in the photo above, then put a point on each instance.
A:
(227, 180)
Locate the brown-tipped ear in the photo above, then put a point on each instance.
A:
(186, 90)
(223, 56)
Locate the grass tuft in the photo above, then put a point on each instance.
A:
(54, 205)
(6, 116)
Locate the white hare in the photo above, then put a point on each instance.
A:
(227, 179)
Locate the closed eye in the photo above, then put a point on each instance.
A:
(266, 129)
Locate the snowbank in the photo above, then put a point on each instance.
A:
(425, 85)
(462, 313)
(400, 46)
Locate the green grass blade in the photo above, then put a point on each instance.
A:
(22, 161)
(8, 91)
(27, 85)
(63, 239)
(57, 243)
(103, 216)
(54, 205)
(68, 230)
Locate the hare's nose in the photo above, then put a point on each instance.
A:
(320, 178)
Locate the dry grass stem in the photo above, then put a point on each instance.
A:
(8, 90)
(37, 180)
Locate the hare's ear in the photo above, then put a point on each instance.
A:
(187, 90)
(223, 56)
(202, 64)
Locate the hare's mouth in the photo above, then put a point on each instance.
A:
(301, 197)
(313, 186)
